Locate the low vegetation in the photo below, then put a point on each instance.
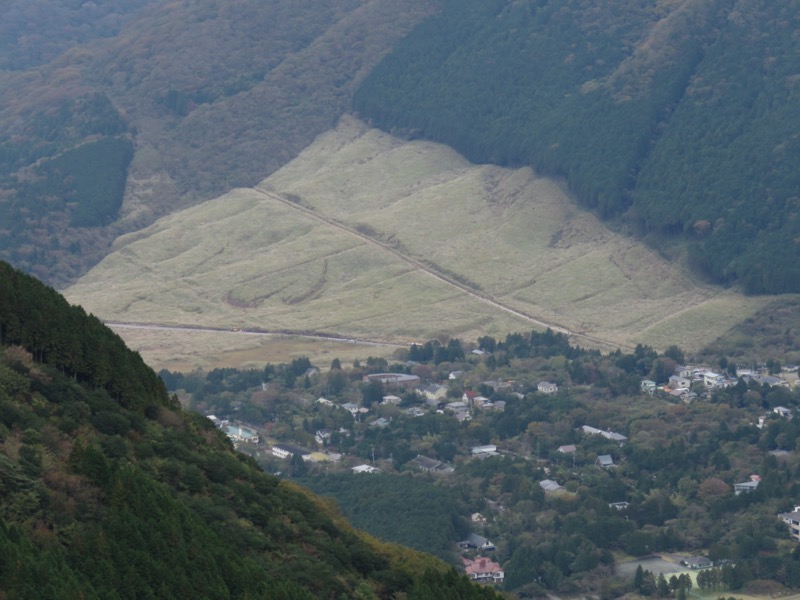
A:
(352, 258)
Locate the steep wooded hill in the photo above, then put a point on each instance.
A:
(682, 116)
(110, 490)
(136, 110)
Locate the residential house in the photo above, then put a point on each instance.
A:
(605, 461)
(478, 518)
(478, 542)
(680, 394)
(462, 416)
(480, 401)
(609, 435)
(352, 408)
(783, 412)
(545, 387)
(390, 399)
(365, 469)
(619, 505)
(792, 519)
(288, 450)
(455, 374)
(772, 381)
(456, 406)
(648, 386)
(713, 380)
(483, 450)
(698, 562)
(747, 486)
(431, 465)
(460, 411)
(322, 436)
(380, 422)
(676, 382)
(398, 379)
(483, 570)
(324, 401)
(568, 449)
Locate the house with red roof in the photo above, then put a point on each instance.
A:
(483, 570)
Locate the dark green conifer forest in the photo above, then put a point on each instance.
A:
(684, 122)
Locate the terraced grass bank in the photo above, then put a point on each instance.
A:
(368, 236)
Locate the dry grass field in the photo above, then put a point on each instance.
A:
(181, 350)
(369, 223)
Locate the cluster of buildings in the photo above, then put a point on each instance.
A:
(681, 383)
(479, 568)
(237, 432)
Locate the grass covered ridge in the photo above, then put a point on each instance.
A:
(346, 238)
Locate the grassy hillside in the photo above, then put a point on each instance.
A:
(681, 116)
(111, 491)
(208, 95)
(347, 239)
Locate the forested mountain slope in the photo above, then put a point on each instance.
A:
(110, 490)
(682, 116)
(135, 110)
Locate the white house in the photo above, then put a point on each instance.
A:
(545, 387)
(365, 469)
(783, 412)
(483, 570)
(288, 450)
(747, 486)
(792, 519)
(713, 380)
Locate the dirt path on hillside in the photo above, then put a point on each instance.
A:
(250, 331)
(431, 272)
